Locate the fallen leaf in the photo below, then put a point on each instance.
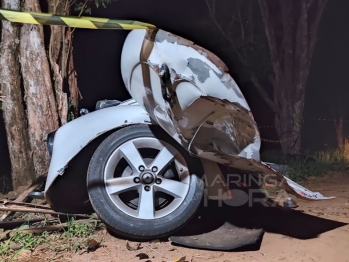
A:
(137, 247)
(142, 256)
(172, 249)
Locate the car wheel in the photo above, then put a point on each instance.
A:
(143, 184)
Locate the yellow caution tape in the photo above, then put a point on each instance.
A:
(71, 21)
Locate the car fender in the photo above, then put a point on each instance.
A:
(71, 138)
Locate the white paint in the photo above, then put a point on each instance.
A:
(176, 57)
(186, 95)
(306, 193)
(192, 112)
(192, 109)
(130, 57)
(84, 129)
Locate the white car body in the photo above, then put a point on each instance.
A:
(198, 104)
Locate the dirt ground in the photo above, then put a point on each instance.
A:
(315, 231)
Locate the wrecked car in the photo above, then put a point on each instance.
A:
(186, 120)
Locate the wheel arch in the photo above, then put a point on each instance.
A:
(76, 141)
(68, 192)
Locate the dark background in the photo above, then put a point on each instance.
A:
(97, 56)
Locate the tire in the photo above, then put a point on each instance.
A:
(116, 188)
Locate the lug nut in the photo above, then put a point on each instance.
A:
(136, 180)
(147, 188)
(141, 168)
(158, 181)
(154, 169)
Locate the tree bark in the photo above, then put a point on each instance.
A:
(288, 125)
(74, 91)
(62, 63)
(339, 125)
(12, 106)
(55, 50)
(41, 107)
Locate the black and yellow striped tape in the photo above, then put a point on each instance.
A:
(71, 21)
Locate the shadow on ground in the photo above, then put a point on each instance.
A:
(291, 223)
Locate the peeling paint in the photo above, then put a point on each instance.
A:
(200, 68)
(187, 91)
(206, 112)
(229, 82)
(162, 36)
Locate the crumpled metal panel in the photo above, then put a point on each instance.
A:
(198, 103)
(206, 110)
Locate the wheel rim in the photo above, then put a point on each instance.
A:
(146, 178)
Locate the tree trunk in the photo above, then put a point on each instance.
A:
(12, 106)
(55, 49)
(291, 54)
(288, 127)
(290, 30)
(46, 101)
(61, 61)
(339, 132)
(75, 94)
(288, 120)
(41, 108)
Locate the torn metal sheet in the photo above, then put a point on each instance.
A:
(301, 191)
(201, 99)
(187, 90)
(277, 167)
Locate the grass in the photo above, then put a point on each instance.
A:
(82, 230)
(18, 242)
(301, 167)
(73, 238)
(77, 235)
